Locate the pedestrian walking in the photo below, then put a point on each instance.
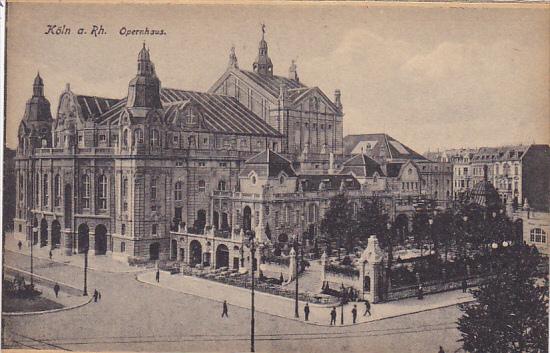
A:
(354, 312)
(224, 309)
(157, 275)
(464, 285)
(95, 295)
(420, 292)
(50, 254)
(56, 289)
(441, 350)
(367, 308)
(306, 311)
(98, 295)
(333, 316)
(19, 245)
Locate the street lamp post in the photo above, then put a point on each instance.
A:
(85, 271)
(252, 245)
(296, 245)
(33, 230)
(342, 307)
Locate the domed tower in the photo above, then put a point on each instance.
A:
(263, 64)
(484, 193)
(36, 125)
(144, 89)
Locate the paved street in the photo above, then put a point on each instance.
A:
(140, 317)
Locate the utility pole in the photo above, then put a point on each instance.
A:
(252, 245)
(33, 230)
(296, 313)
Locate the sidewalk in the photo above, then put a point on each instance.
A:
(284, 307)
(68, 301)
(102, 263)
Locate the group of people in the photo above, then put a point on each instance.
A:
(353, 312)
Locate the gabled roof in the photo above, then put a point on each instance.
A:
(268, 163)
(222, 114)
(361, 165)
(93, 106)
(330, 182)
(379, 146)
(393, 169)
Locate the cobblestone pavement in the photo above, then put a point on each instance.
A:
(135, 316)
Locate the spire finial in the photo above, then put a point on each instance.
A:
(263, 30)
(233, 58)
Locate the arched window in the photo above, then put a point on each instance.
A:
(45, 193)
(124, 193)
(178, 194)
(153, 189)
(102, 192)
(86, 191)
(154, 138)
(221, 185)
(538, 235)
(202, 185)
(57, 190)
(253, 179)
(138, 136)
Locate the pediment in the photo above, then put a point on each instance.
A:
(315, 100)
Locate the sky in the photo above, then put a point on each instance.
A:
(431, 77)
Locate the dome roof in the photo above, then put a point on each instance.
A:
(484, 194)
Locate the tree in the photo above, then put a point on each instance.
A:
(338, 223)
(420, 229)
(510, 313)
(371, 219)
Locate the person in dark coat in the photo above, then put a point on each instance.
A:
(464, 286)
(420, 292)
(56, 289)
(98, 295)
(354, 313)
(19, 245)
(333, 316)
(95, 295)
(367, 308)
(306, 311)
(224, 309)
(50, 254)
(441, 350)
(157, 275)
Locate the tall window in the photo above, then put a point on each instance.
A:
(178, 194)
(138, 136)
(45, 193)
(102, 192)
(154, 138)
(125, 138)
(20, 188)
(37, 188)
(153, 189)
(124, 194)
(86, 191)
(202, 185)
(221, 185)
(57, 190)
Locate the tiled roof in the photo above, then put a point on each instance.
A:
(330, 182)
(493, 154)
(268, 163)
(272, 83)
(361, 165)
(222, 114)
(377, 146)
(95, 106)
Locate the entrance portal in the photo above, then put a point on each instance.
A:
(195, 253)
(100, 240)
(83, 238)
(154, 251)
(222, 256)
(43, 233)
(56, 234)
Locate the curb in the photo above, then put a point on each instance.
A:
(303, 321)
(74, 265)
(47, 311)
